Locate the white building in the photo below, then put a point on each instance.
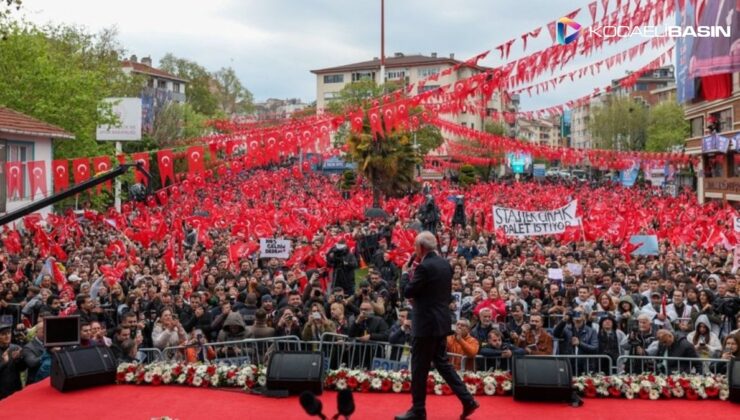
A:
(25, 139)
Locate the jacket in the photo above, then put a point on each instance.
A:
(588, 341)
(10, 372)
(713, 345)
(37, 359)
(680, 348)
(375, 326)
(233, 319)
(497, 306)
(260, 330)
(431, 289)
(541, 345)
(311, 333)
(163, 338)
(467, 347)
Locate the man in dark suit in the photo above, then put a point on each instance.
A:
(430, 291)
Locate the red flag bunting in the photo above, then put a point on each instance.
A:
(195, 159)
(102, 164)
(37, 177)
(14, 174)
(81, 169)
(142, 157)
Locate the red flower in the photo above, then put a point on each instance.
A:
(342, 375)
(249, 384)
(121, 377)
(644, 394)
(352, 382)
(230, 374)
(329, 381)
(365, 386)
(446, 390)
(590, 391)
(614, 391)
(211, 370)
(684, 383)
(131, 369)
(651, 378)
(667, 393)
(406, 386)
(177, 370)
(430, 387)
(156, 380)
(691, 394)
(711, 391)
(387, 385)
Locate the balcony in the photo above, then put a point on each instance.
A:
(163, 95)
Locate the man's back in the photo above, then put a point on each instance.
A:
(431, 289)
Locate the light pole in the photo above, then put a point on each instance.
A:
(382, 42)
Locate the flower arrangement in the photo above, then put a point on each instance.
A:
(198, 375)
(644, 386)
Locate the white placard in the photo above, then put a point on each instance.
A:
(737, 224)
(128, 111)
(555, 273)
(575, 269)
(274, 248)
(535, 223)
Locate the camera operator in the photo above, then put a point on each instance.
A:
(641, 341)
(576, 337)
(344, 264)
(365, 294)
(288, 324)
(496, 353)
(317, 324)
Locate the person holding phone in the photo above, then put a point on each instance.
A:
(705, 342)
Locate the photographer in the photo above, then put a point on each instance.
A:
(365, 294)
(497, 354)
(288, 324)
(367, 326)
(641, 341)
(198, 350)
(168, 332)
(344, 264)
(534, 340)
(317, 324)
(576, 337)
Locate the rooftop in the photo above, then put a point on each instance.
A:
(398, 60)
(13, 122)
(149, 70)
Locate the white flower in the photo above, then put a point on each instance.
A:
(634, 387)
(214, 380)
(148, 377)
(471, 388)
(182, 378)
(341, 384)
(490, 379)
(197, 381)
(506, 386)
(660, 381)
(724, 394)
(677, 391)
(646, 384)
(603, 390)
(710, 382)
(262, 380)
(438, 389)
(129, 377)
(489, 389)
(167, 378)
(580, 386)
(376, 383)
(654, 394)
(397, 387)
(629, 394)
(702, 394)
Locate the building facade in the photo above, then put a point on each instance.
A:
(407, 69)
(25, 139)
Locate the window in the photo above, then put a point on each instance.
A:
(427, 71)
(641, 86)
(735, 167)
(20, 152)
(334, 78)
(363, 75)
(427, 88)
(161, 84)
(328, 96)
(697, 127)
(176, 87)
(724, 119)
(395, 75)
(150, 83)
(715, 166)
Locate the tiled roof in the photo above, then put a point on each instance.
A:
(392, 62)
(144, 69)
(14, 122)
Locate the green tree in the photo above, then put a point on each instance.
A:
(200, 94)
(175, 123)
(467, 174)
(388, 162)
(475, 146)
(6, 8)
(666, 127)
(621, 124)
(233, 97)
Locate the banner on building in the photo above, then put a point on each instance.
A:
(535, 223)
(274, 248)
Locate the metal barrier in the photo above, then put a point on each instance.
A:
(580, 364)
(255, 351)
(669, 365)
(150, 355)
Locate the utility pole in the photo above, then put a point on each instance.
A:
(382, 42)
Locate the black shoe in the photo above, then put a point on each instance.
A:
(411, 415)
(468, 409)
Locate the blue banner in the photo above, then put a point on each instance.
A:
(628, 177)
(649, 244)
(685, 89)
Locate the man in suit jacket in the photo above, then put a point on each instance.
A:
(430, 291)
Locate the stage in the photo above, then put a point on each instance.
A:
(41, 401)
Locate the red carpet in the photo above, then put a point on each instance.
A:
(41, 401)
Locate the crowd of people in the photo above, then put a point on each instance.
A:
(346, 277)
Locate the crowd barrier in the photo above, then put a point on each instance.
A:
(343, 351)
(669, 365)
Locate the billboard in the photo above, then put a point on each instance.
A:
(128, 111)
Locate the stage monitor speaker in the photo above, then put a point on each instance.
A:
(542, 378)
(733, 379)
(295, 372)
(83, 368)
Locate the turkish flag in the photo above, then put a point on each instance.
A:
(169, 261)
(195, 159)
(376, 125)
(166, 161)
(61, 174)
(14, 174)
(142, 157)
(81, 169)
(102, 164)
(37, 177)
(116, 247)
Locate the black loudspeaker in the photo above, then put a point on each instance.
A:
(733, 380)
(83, 368)
(295, 372)
(542, 379)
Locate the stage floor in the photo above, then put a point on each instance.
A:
(41, 401)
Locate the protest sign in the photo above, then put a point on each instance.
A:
(555, 273)
(737, 224)
(575, 269)
(274, 248)
(649, 244)
(534, 223)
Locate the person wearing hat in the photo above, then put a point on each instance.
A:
(610, 340)
(11, 363)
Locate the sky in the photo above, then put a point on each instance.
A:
(273, 44)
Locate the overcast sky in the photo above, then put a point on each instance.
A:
(273, 44)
